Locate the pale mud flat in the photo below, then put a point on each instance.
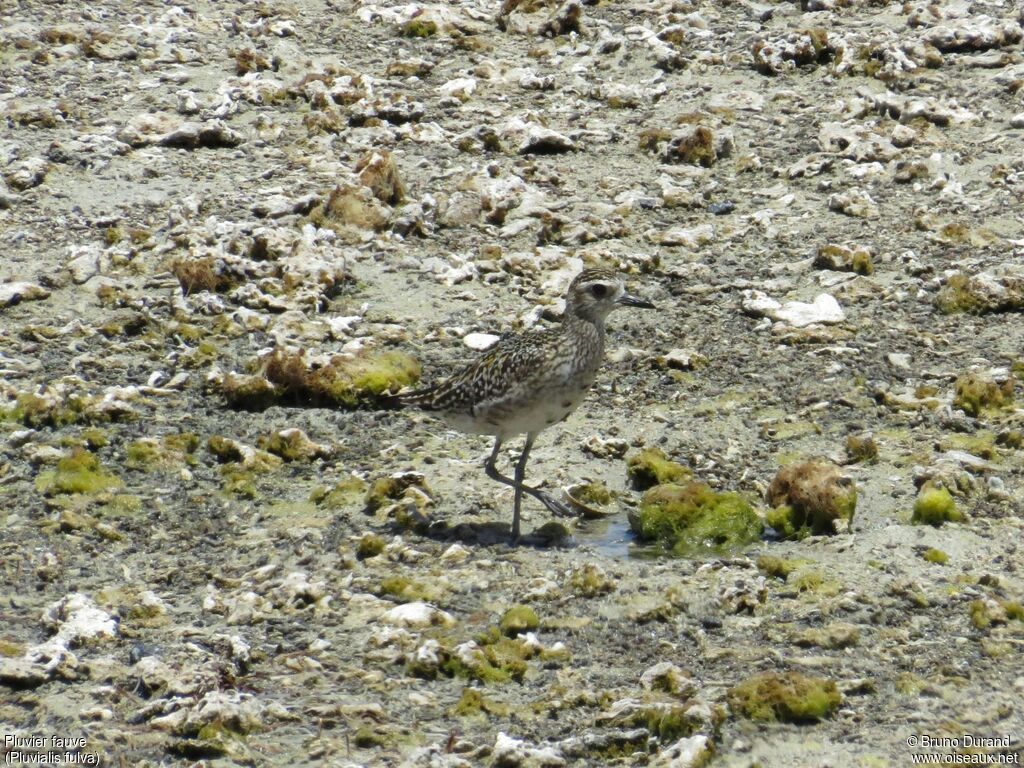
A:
(811, 198)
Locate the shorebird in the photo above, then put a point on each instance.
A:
(529, 381)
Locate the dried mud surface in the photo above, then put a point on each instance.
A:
(187, 187)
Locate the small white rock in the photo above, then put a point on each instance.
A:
(13, 293)
(824, 309)
(417, 615)
(899, 360)
(461, 88)
(688, 752)
(480, 341)
(902, 136)
(76, 617)
(455, 554)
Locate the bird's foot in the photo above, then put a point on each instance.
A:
(556, 507)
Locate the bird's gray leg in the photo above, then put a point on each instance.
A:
(554, 505)
(520, 474)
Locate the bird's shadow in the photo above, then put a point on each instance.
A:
(551, 535)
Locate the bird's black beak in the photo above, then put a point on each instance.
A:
(629, 300)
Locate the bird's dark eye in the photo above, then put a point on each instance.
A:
(599, 290)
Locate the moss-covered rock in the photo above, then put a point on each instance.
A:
(292, 444)
(518, 619)
(694, 145)
(784, 697)
(150, 453)
(861, 448)
(812, 497)
(594, 493)
(844, 259)
(384, 491)
(417, 27)
(935, 506)
(350, 210)
(361, 378)
(832, 636)
(975, 393)
(589, 580)
(347, 380)
(205, 274)
(693, 519)
(370, 545)
(652, 467)
(378, 171)
(78, 472)
(981, 293)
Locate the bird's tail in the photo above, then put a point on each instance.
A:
(417, 398)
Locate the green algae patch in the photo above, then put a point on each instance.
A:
(10, 649)
(778, 567)
(518, 619)
(787, 697)
(95, 438)
(668, 721)
(974, 394)
(409, 591)
(121, 505)
(808, 498)
(652, 467)
(364, 378)
(78, 472)
(993, 612)
(474, 704)
(366, 737)
(289, 515)
(347, 492)
(935, 506)
(981, 443)
(35, 410)
(498, 662)
(1014, 610)
(781, 431)
(694, 519)
(810, 580)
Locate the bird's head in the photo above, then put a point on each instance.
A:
(594, 293)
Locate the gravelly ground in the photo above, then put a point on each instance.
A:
(182, 601)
